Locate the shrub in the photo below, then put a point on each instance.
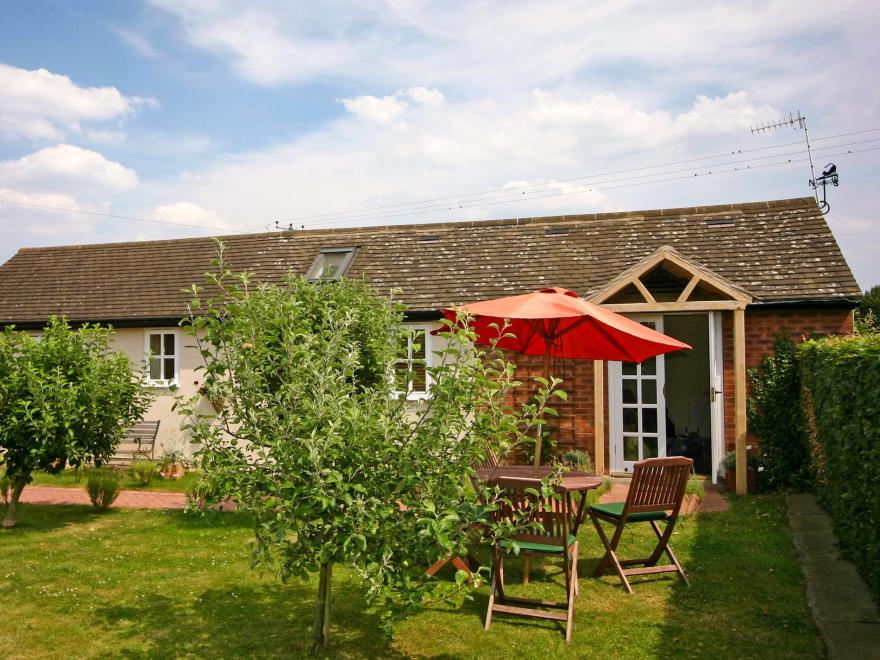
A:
(776, 417)
(143, 471)
(842, 379)
(578, 460)
(5, 486)
(103, 486)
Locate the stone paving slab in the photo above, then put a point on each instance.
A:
(128, 499)
(842, 606)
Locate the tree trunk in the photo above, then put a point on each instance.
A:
(321, 630)
(17, 486)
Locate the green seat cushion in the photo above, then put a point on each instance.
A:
(538, 547)
(615, 510)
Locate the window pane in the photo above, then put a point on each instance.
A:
(401, 373)
(649, 367)
(169, 344)
(649, 448)
(155, 369)
(628, 391)
(631, 420)
(169, 369)
(649, 391)
(330, 264)
(629, 368)
(630, 448)
(418, 345)
(419, 377)
(156, 344)
(649, 420)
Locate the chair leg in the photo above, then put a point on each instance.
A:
(527, 565)
(610, 554)
(572, 590)
(497, 582)
(663, 546)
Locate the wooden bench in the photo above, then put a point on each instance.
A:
(139, 443)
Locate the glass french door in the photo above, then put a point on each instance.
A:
(637, 407)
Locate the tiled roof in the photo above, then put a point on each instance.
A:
(777, 251)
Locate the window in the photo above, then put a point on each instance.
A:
(331, 264)
(162, 349)
(412, 379)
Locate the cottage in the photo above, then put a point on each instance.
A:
(725, 279)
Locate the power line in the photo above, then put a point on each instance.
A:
(366, 212)
(584, 188)
(113, 215)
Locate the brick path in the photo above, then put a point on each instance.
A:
(712, 499)
(133, 499)
(128, 499)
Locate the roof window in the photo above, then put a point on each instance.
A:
(331, 264)
(556, 231)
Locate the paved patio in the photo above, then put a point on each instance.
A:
(141, 499)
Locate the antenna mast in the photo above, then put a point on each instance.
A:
(829, 174)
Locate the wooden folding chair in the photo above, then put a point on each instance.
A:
(655, 494)
(552, 536)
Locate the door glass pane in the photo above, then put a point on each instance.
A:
(649, 448)
(631, 420)
(649, 367)
(155, 344)
(629, 391)
(649, 420)
(649, 391)
(169, 368)
(630, 448)
(629, 368)
(169, 344)
(155, 369)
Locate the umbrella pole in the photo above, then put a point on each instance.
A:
(539, 440)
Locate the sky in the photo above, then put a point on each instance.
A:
(141, 120)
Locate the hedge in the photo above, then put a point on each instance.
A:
(841, 377)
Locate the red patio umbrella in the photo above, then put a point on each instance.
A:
(555, 322)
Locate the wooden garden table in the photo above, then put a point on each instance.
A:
(569, 483)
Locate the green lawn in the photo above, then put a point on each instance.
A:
(69, 479)
(139, 584)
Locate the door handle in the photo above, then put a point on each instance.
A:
(714, 393)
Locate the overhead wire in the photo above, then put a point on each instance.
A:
(552, 187)
(366, 211)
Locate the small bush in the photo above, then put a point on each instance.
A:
(776, 417)
(578, 460)
(103, 486)
(143, 471)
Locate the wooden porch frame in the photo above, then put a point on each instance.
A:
(738, 299)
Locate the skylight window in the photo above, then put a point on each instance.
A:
(331, 264)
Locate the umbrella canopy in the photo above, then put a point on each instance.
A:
(556, 322)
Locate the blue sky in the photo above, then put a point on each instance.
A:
(210, 116)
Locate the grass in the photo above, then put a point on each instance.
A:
(69, 479)
(141, 584)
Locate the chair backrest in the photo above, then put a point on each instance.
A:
(490, 461)
(551, 513)
(658, 484)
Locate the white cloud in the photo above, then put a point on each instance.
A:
(188, 213)
(425, 96)
(64, 168)
(42, 105)
(41, 215)
(382, 110)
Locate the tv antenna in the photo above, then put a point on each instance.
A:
(829, 174)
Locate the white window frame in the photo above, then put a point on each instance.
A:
(411, 329)
(147, 354)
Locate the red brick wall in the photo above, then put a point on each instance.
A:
(576, 422)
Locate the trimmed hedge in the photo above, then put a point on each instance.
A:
(841, 377)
